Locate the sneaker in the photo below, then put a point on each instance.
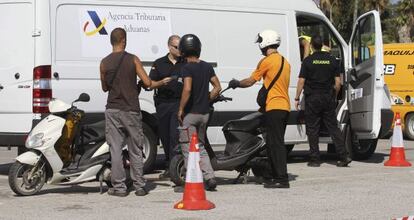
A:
(165, 175)
(314, 163)
(113, 192)
(211, 184)
(344, 162)
(141, 192)
(273, 185)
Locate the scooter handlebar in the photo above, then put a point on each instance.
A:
(222, 98)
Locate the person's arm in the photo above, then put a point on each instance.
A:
(299, 88)
(216, 88)
(261, 68)
(158, 84)
(139, 69)
(247, 82)
(337, 85)
(102, 73)
(185, 96)
(301, 82)
(147, 82)
(306, 48)
(155, 76)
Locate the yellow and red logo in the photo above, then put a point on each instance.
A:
(99, 25)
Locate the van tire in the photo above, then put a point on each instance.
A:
(359, 149)
(177, 170)
(409, 126)
(149, 147)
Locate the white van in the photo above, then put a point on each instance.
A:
(52, 48)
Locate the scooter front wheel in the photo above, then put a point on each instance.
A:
(27, 180)
(177, 170)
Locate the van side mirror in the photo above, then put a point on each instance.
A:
(84, 97)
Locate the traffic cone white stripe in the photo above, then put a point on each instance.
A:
(194, 175)
(397, 138)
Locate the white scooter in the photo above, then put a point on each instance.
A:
(63, 151)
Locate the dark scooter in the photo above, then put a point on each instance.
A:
(244, 150)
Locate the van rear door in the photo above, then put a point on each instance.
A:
(16, 66)
(366, 76)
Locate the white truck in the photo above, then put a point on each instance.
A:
(52, 48)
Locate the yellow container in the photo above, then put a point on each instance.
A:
(399, 76)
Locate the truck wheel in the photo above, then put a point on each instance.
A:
(359, 149)
(149, 148)
(409, 126)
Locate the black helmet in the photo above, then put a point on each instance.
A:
(190, 45)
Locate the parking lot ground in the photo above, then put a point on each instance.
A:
(365, 190)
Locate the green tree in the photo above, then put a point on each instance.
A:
(405, 20)
(379, 5)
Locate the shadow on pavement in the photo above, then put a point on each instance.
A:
(302, 156)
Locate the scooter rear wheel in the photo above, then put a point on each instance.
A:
(177, 170)
(23, 184)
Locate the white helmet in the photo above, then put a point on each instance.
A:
(267, 38)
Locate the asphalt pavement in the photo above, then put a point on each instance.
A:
(365, 190)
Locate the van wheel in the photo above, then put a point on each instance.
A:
(177, 170)
(359, 149)
(409, 126)
(149, 148)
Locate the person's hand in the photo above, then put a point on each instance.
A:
(234, 83)
(166, 80)
(297, 104)
(180, 116)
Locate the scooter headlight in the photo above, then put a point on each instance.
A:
(35, 141)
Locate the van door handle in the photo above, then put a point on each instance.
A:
(17, 75)
(1, 87)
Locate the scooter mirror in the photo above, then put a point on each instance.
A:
(84, 97)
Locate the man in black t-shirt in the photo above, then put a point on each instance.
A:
(167, 98)
(319, 76)
(193, 112)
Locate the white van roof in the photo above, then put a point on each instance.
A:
(260, 5)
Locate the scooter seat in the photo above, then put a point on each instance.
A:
(242, 154)
(93, 132)
(242, 125)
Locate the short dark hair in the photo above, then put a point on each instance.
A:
(316, 42)
(117, 35)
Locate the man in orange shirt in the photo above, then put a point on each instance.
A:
(277, 103)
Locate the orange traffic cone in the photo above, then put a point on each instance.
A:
(194, 197)
(397, 156)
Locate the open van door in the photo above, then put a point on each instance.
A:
(366, 76)
(16, 70)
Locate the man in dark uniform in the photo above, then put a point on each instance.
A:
(319, 77)
(167, 98)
